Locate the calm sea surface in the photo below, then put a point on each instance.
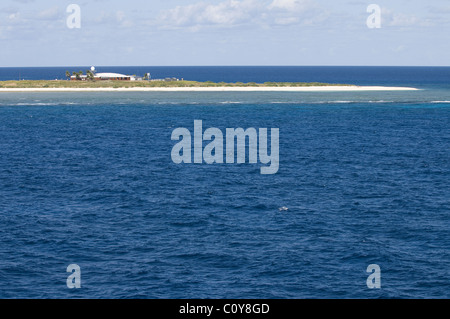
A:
(87, 179)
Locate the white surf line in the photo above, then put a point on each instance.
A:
(218, 89)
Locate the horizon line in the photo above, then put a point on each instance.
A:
(237, 65)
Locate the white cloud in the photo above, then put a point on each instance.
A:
(303, 12)
(232, 13)
(53, 13)
(114, 19)
(291, 5)
(394, 19)
(122, 19)
(227, 13)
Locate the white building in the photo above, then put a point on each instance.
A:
(114, 77)
(106, 77)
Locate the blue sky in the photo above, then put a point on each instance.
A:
(224, 32)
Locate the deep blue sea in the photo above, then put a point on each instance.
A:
(88, 179)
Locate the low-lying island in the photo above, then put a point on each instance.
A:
(182, 86)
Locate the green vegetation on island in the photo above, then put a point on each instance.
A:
(35, 84)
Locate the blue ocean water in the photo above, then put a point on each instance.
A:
(87, 179)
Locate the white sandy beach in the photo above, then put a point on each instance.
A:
(217, 89)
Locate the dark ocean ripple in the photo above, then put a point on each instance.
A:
(88, 179)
